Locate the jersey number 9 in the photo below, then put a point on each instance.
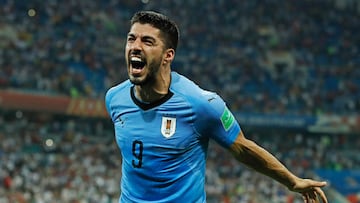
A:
(137, 151)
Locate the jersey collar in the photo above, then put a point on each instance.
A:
(147, 106)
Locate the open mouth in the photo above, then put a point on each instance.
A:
(137, 63)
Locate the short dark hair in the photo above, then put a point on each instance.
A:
(168, 28)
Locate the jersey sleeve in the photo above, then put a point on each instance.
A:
(108, 97)
(113, 94)
(216, 121)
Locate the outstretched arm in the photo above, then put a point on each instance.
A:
(257, 158)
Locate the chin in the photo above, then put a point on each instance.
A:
(137, 80)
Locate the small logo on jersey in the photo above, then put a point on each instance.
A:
(227, 119)
(168, 126)
(210, 99)
(120, 120)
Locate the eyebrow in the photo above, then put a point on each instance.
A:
(146, 37)
(130, 35)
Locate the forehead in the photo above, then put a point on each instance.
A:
(142, 30)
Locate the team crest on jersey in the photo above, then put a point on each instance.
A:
(168, 126)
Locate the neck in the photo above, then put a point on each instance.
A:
(154, 91)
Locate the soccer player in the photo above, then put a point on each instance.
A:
(163, 123)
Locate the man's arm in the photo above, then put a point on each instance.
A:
(257, 158)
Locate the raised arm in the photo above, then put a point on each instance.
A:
(257, 158)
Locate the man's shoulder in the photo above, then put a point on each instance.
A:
(119, 87)
(181, 85)
(119, 90)
(184, 85)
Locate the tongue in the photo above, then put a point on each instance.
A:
(136, 70)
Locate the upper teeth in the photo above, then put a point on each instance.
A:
(134, 58)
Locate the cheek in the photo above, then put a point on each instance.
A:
(126, 55)
(126, 50)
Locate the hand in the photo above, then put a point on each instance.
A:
(310, 190)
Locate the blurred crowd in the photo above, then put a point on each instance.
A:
(47, 159)
(294, 57)
(44, 160)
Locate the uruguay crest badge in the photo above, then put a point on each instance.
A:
(168, 126)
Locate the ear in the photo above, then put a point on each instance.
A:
(169, 56)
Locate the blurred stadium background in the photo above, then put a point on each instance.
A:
(289, 70)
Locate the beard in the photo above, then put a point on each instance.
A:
(150, 77)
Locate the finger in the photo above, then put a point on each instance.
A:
(312, 194)
(321, 194)
(306, 198)
(309, 197)
(313, 197)
(319, 183)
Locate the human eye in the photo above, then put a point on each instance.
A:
(148, 41)
(130, 38)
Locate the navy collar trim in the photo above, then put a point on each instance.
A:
(147, 106)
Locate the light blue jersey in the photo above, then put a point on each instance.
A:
(164, 144)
